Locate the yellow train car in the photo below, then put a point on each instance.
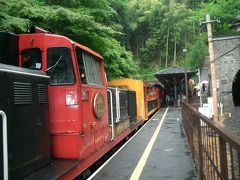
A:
(140, 87)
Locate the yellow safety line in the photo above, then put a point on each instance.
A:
(141, 163)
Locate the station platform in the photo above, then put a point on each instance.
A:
(158, 151)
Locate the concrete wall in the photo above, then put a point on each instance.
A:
(226, 67)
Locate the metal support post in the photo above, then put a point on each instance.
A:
(185, 75)
(175, 91)
(200, 88)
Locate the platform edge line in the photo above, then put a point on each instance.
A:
(141, 163)
(104, 164)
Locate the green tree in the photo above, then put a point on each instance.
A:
(132, 35)
(85, 22)
(197, 51)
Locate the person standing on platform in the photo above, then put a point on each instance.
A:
(167, 100)
(179, 100)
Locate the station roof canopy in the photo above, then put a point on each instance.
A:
(165, 76)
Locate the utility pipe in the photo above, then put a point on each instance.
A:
(5, 145)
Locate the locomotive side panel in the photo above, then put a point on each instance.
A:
(53, 54)
(77, 93)
(8, 48)
(24, 100)
(93, 100)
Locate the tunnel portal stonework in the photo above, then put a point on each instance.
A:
(227, 68)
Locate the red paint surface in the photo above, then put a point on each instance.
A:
(75, 131)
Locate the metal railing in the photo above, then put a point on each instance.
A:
(215, 151)
(195, 101)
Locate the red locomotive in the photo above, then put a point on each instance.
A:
(85, 118)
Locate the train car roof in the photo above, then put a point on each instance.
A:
(90, 51)
(20, 70)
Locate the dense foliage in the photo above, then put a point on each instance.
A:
(136, 37)
(87, 22)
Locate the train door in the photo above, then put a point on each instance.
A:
(93, 100)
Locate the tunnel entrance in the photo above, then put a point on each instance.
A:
(236, 89)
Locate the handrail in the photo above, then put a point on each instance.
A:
(111, 107)
(215, 150)
(117, 105)
(225, 133)
(5, 145)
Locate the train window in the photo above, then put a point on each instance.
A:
(89, 68)
(32, 58)
(81, 66)
(92, 67)
(60, 67)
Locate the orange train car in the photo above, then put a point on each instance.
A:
(147, 96)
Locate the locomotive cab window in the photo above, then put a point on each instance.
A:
(59, 66)
(81, 66)
(89, 68)
(32, 58)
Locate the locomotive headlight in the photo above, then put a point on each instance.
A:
(71, 98)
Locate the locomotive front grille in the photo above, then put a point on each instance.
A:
(22, 93)
(41, 94)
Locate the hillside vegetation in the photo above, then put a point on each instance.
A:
(135, 37)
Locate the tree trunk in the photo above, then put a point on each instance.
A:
(167, 49)
(160, 58)
(175, 53)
